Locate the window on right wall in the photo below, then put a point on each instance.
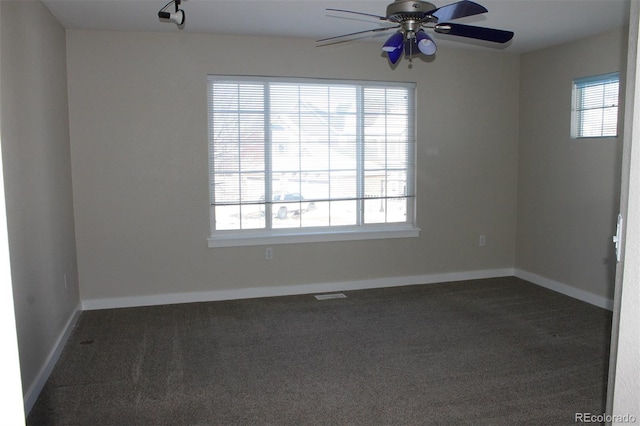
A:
(595, 106)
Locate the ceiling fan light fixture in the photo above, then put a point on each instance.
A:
(426, 45)
(410, 19)
(394, 43)
(395, 55)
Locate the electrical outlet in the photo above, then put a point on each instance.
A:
(482, 240)
(268, 253)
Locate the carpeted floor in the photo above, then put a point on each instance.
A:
(487, 352)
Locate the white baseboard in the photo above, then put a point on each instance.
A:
(34, 390)
(248, 293)
(565, 289)
(255, 292)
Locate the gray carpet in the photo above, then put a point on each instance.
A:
(495, 352)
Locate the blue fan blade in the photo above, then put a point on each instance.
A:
(480, 33)
(458, 10)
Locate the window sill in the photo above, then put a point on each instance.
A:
(248, 238)
(583, 138)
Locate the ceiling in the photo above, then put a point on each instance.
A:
(536, 23)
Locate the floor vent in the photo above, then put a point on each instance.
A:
(330, 296)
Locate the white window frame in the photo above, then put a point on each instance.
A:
(250, 237)
(579, 124)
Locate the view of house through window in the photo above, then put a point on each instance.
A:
(595, 106)
(307, 154)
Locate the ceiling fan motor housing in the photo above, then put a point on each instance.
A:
(409, 9)
(411, 14)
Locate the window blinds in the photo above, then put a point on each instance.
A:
(344, 150)
(596, 106)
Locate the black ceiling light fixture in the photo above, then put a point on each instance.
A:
(412, 17)
(177, 17)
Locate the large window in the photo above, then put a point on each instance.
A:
(310, 160)
(595, 106)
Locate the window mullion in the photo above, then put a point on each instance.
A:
(299, 142)
(239, 165)
(268, 161)
(581, 109)
(410, 188)
(602, 108)
(360, 120)
(329, 142)
(385, 191)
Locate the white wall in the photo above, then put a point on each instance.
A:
(11, 401)
(568, 189)
(139, 157)
(37, 176)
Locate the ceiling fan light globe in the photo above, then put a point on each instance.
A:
(395, 55)
(426, 45)
(393, 43)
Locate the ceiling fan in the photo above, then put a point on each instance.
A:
(412, 17)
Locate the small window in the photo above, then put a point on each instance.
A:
(595, 106)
